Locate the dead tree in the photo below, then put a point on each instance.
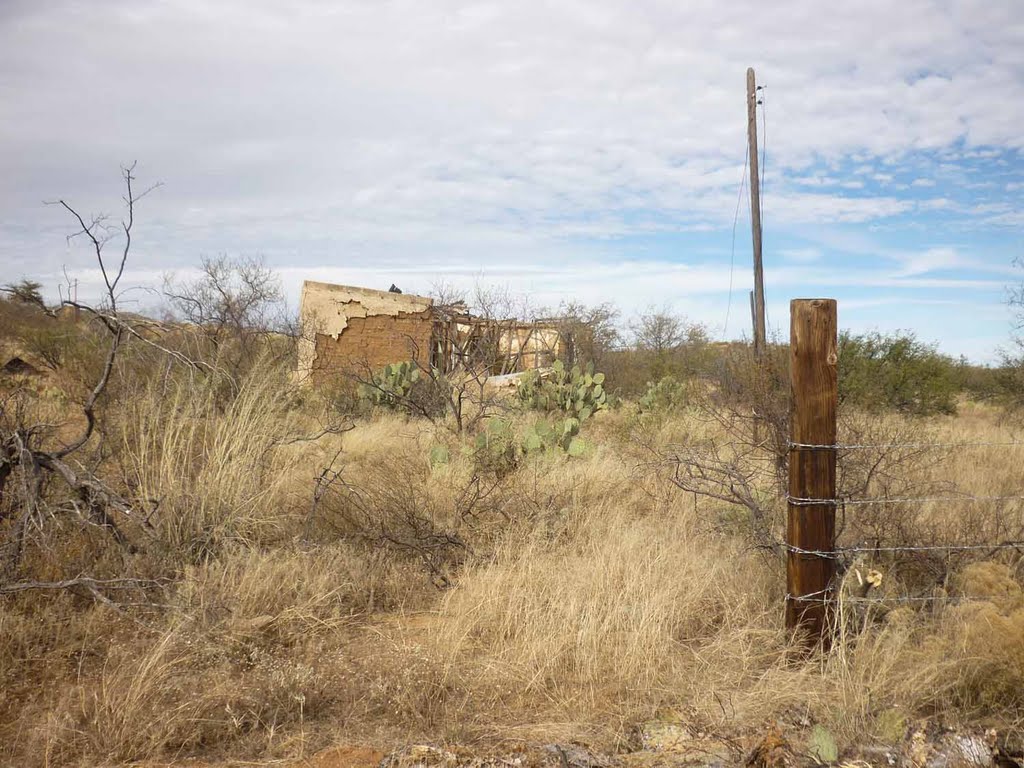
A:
(30, 463)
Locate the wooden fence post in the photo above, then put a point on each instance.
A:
(810, 527)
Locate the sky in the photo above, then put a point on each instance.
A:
(590, 151)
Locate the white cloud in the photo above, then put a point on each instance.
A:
(931, 260)
(797, 207)
(517, 138)
(464, 110)
(1008, 219)
(801, 255)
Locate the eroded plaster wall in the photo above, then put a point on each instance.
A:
(346, 329)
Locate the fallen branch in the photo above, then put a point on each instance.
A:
(82, 581)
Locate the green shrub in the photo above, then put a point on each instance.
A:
(26, 292)
(986, 383)
(878, 371)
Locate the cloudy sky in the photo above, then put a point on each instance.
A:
(588, 150)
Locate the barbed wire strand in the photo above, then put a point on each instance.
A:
(798, 501)
(866, 446)
(825, 595)
(838, 551)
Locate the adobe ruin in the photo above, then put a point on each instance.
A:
(348, 331)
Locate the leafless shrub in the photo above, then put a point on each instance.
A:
(904, 508)
(236, 306)
(389, 505)
(739, 455)
(741, 458)
(591, 331)
(659, 330)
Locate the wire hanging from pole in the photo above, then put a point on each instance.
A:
(760, 183)
(732, 255)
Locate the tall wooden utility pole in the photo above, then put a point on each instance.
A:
(755, 215)
(811, 518)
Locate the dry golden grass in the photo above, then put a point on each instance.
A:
(605, 627)
(586, 595)
(218, 474)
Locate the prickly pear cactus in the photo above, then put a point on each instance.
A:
(496, 448)
(666, 394)
(499, 446)
(560, 435)
(391, 384)
(576, 391)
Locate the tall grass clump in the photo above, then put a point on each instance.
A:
(615, 614)
(212, 472)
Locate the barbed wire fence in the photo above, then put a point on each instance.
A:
(814, 560)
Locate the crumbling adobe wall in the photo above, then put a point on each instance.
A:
(347, 330)
(373, 341)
